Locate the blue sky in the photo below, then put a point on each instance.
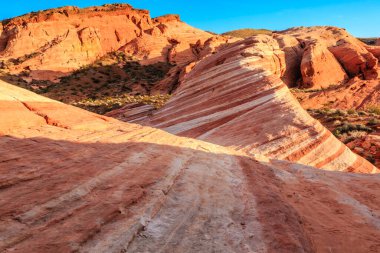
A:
(361, 18)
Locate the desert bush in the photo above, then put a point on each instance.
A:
(106, 104)
(348, 139)
(351, 111)
(347, 128)
(373, 122)
(95, 80)
(375, 109)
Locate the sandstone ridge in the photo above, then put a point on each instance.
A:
(75, 181)
(238, 98)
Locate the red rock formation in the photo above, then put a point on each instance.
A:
(52, 43)
(320, 69)
(356, 58)
(75, 181)
(236, 98)
(375, 50)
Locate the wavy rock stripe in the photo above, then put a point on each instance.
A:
(236, 98)
(72, 181)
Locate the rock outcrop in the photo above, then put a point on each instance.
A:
(236, 98)
(355, 57)
(76, 181)
(53, 43)
(320, 69)
(356, 60)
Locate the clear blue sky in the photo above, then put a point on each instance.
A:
(361, 18)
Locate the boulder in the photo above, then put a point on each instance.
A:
(320, 69)
(356, 60)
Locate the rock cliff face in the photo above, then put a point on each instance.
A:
(237, 98)
(76, 181)
(320, 69)
(52, 43)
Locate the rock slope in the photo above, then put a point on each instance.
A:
(73, 181)
(238, 98)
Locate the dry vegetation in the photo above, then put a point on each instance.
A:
(107, 84)
(352, 127)
(106, 104)
(248, 32)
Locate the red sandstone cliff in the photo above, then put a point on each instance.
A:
(51, 43)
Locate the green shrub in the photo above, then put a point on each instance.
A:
(346, 128)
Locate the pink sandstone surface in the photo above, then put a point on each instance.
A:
(73, 181)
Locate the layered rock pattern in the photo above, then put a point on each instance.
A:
(75, 181)
(236, 98)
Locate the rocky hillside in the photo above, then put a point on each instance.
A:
(89, 57)
(62, 40)
(101, 51)
(76, 181)
(50, 44)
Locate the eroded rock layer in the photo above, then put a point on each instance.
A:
(236, 98)
(73, 181)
